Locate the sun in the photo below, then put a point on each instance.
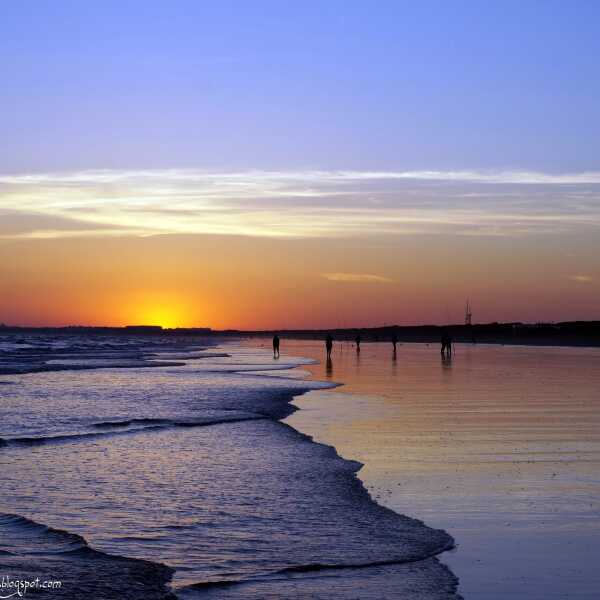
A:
(167, 310)
(166, 317)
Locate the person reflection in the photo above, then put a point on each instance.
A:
(329, 345)
(329, 367)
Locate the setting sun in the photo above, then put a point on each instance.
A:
(164, 316)
(167, 310)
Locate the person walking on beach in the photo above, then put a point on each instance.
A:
(329, 345)
(394, 341)
(446, 345)
(357, 340)
(275, 346)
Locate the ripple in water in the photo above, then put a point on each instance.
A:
(190, 467)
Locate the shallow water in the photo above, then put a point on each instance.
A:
(500, 447)
(180, 459)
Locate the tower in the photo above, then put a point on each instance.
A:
(468, 313)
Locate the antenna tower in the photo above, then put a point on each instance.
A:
(468, 313)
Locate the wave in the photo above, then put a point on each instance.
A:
(129, 422)
(202, 422)
(44, 353)
(56, 541)
(49, 554)
(425, 579)
(129, 426)
(194, 355)
(52, 367)
(314, 568)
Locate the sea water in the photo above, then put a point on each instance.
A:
(154, 467)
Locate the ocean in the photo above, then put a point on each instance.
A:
(159, 467)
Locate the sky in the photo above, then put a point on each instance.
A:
(302, 164)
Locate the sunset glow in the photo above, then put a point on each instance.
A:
(311, 168)
(297, 249)
(167, 310)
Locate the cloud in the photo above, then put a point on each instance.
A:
(581, 278)
(302, 203)
(499, 177)
(14, 223)
(356, 278)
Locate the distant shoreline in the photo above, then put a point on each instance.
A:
(571, 333)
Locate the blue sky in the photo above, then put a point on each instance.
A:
(321, 85)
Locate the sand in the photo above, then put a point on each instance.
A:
(500, 447)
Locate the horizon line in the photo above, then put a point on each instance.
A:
(150, 327)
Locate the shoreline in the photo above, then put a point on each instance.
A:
(492, 473)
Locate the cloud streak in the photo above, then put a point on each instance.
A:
(356, 278)
(308, 203)
(581, 278)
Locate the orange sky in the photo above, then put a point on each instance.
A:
(250, 282)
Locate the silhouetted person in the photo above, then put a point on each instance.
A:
(446, 344)
(394, 341)
(357, 340)
(275, 346)
(329, 345)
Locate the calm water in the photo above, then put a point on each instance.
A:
(500, 447)
(136, 466)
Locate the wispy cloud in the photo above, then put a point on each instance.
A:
(581, 278)
(356, 278)
(297, 203)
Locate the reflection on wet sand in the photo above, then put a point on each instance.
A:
(498, 445)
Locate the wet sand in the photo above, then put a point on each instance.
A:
(500, 447)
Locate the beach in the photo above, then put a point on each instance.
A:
(499, 446)
(177, 467)
(234, 235)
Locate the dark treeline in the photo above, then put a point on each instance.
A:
(127, 330)
(571, 333)
(574, 333)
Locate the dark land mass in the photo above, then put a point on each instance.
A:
(568, 333)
